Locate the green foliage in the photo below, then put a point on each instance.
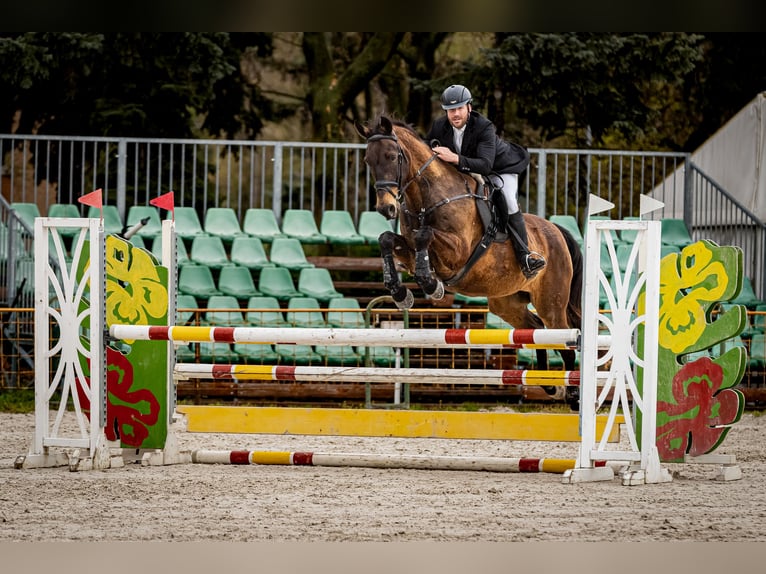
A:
(17, 401)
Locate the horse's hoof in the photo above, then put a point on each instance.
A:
(407, 302)
(438, 292)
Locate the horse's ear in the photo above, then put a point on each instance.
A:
(385, 123)
(362, 130)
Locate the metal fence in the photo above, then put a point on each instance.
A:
(239, 174)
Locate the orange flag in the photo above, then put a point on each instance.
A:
(92, 199)
(165, 201)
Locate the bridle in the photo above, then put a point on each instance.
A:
(388, 185)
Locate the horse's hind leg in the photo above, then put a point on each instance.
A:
(431, 286)
(403, 297)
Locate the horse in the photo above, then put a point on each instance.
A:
(443, 239)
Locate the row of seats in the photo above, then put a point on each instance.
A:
(198, 280)
(673, 231)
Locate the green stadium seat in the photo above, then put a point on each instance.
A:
(27, 212)
(182, 255)
(345, 313)
(317, 282)
(209, 250)
(629, 235)
(568, 222)
(372, 224)
(197, 280)
(138, 241)
(237, 281)
(381, 356)
(339, 355)
(248, 252)
(759, 318)
(339, 228)
(494, 321)
(256, 354)
(288, 252)
(18, 245)
(613, 232)
(265, 312)
(261, 223)
(468, 300)
(224, 311)
(675, 232)
(184, 313)
(300, 224)
(277, 282)
(223, 222)
(138, 213)
(188, 224)
(757, 355)
(301, 355)
(113, 224)
(214, 352)
(305, 312)
(186, 353)
(747, 296)
(65, 210)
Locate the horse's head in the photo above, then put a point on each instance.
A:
(386, 161)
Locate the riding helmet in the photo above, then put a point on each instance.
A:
(455, 96)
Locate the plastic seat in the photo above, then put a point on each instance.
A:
(288, 252)
(209, 250)
(138, 241)
(759, 318)
(265, 312)
(27, 212)
(65, 210)
(221, 353)
(372, 224)
(138, 213)
(223, 222)
(381, 356)
(675, 232)
(197, 280)
(248, 252)
(345, 313)
(467, 300)
(568, 222)
(613, 232)
(256, 354)
(185, 315)
(113, 224)
(18, 245)
(304, 312)
(187, 221)
(277, 282)
(261, 223)
(757, 356)
(300, 224)
(339, 355)
(317, 282)
(629, 235)
(339, 228)
(297, 354)
(182, 255)
(494, 321)
(747, 296)
(237, 281)
(224, 311)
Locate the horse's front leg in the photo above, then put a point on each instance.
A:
(432, 286)
(389, 242)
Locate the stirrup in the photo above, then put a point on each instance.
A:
(532, 265)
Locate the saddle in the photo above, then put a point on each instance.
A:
(489, 209)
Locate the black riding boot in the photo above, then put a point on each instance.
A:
(530, 263)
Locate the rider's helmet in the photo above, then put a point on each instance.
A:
(455, 96)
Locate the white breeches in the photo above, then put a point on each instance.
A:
(510, 189)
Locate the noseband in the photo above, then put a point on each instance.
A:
(388, 185)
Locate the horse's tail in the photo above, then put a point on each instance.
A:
(574, 311)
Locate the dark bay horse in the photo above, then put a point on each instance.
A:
(441, 225)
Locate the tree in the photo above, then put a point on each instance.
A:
(587, 86)
(130, 84)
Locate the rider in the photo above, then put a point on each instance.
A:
(469, 140)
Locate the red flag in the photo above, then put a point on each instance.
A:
(93, 199)
(165, 201)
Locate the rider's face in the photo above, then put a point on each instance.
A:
(458, 116)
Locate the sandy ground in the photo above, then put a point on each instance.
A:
(195, 502)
